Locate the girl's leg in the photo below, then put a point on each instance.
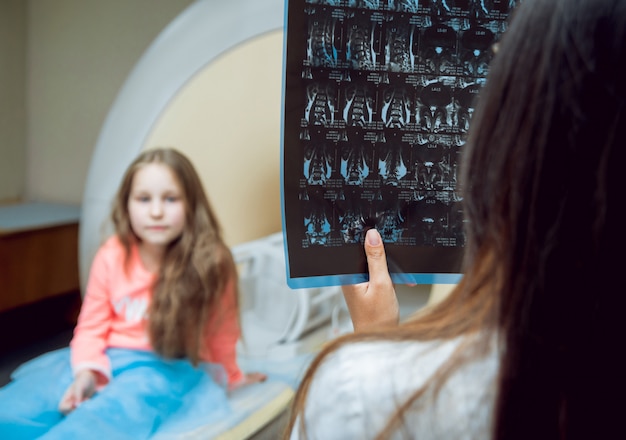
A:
(29, 403)
(133, 405)
(26, 413)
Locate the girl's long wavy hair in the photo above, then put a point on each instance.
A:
(543, 180)
(196, 266)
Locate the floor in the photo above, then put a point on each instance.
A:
(13, 358)
(35, 329)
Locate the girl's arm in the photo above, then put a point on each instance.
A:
(89, 343)
(83, 387)
(90, 365)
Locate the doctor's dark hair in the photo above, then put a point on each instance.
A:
(196, 267)
(543, 182)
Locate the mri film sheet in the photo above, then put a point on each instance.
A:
(377, 101)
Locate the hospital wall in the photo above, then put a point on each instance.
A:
(62, 64)
(12, 99)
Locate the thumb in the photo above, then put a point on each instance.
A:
(376, 257)
(373, 303)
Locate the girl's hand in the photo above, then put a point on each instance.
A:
(83, 387)
(248, 379)
(373, 303)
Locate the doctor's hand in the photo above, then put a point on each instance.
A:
(373, 303)
(83, 387)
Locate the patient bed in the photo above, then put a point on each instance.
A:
(181, 94)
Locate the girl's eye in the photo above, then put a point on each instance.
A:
(143, 198)
(172, 199)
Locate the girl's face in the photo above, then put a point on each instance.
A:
(156, 205)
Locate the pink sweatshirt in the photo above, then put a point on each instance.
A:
(114, 314)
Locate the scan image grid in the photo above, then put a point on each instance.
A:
(382, 94)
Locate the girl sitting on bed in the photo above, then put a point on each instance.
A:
(160, 311)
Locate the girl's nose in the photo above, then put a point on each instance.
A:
(156, 208)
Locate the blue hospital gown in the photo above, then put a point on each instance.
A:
(147, 395)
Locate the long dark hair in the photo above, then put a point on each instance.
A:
(195, 269)
(541, 183)
(544, 162)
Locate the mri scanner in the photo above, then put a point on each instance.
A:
(210, 85)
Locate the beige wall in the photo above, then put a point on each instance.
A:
(227, 120)
(77, 54)
(12, 99)
(62, 64)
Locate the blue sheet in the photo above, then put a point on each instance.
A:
(147, 394)
(149, 397)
